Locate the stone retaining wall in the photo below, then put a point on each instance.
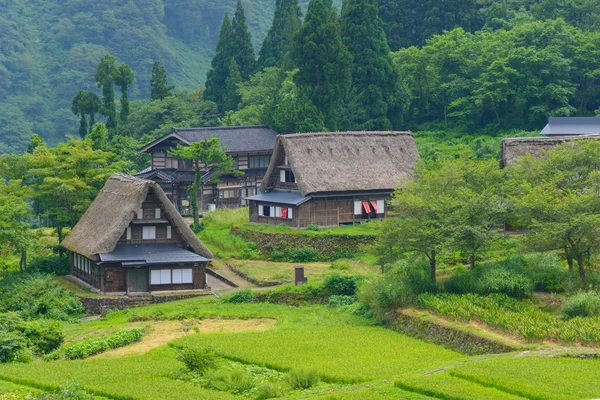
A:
(326, 246)
(94, 305)
(456, 339)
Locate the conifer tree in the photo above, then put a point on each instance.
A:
(123, 78)
(232, 96)
(85, 104)
(374, 77)
(105, 78)
(243, 51)
(159, 85)
(324, 63)
(216, 78)
(279, 39)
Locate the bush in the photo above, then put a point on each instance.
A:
(20, 340)
(198, 360)
(269, 390)
(340, 300)
(250, 251)
(585, 304)
(340, 265)
(305, 254)
(241, 296)
(38, 295)
(302, 379)
(89, 347)
(543, 269)
(489, 279)
(313, 227)
(278, 255)
(336, 284)
(197, 228)
(50, 265)
(236, 381)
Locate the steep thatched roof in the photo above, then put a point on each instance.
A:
(100, 228)
(345, 161)
(513, 148)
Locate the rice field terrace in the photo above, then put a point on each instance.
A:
(206, 348)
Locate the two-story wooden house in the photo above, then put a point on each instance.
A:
(328, 179)
(250, 146)
(132, 239)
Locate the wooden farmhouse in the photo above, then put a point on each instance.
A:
(132, 239)
(328, 179)
(250, 146)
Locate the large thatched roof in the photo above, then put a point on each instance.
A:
(513, 148)
(345, 161)
(100, 228)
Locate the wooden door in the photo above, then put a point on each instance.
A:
(138, 280)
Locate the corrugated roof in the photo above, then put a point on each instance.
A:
(558, 126)
(237, 139)
(276, 196)
(150, 254)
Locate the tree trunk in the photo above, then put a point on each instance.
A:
(194, 197)
(472, 261)
(59, 230)
(23, 262)
(432, 266)
(569, 258)
(581, 267)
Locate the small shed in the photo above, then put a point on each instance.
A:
(132, 239)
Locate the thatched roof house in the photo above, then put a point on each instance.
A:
(514, 148)
(333, 178)
(130, 235)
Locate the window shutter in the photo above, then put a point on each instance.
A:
(169, 234)
(380, 206)
(289, 213)
(155, 277)
(277, 212)
(149, 232)
(165, 276)
(357, 208)
(187, 276)
(281, 176)
(177, 276)
(157, 213)
(140, 213)
(128, 233)
(261, 210)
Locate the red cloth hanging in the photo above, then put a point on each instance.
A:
(366, 206)
(284, 212)
(374, 204)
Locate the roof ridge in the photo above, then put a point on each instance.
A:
(348, 133)
(206, 128)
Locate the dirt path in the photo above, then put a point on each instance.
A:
(163, 332)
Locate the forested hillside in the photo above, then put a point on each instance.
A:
(49, 49)
(500, 65)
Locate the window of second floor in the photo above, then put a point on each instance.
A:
(287, 176)
(261, 161)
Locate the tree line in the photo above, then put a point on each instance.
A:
(466, 206)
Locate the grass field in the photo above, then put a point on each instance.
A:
(265, 271)
(354, 358)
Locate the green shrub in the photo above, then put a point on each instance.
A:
(340, 300)
(586, 304)
(543, 269)
(303, 379)
(21, 339)
(304, 254)
(197, 228)
(37, 295)
(250, 252)
(343, 285)
(490, 279)
(278, 255)
(313, 227)
(340, 265)
(89, 347)
(236, 381)
(241, 296)
(53, 264)
(198, 360)
(269, 390)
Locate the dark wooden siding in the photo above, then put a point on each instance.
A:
(254, 217)
(115, 278)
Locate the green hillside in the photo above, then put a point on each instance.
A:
(49, 49)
